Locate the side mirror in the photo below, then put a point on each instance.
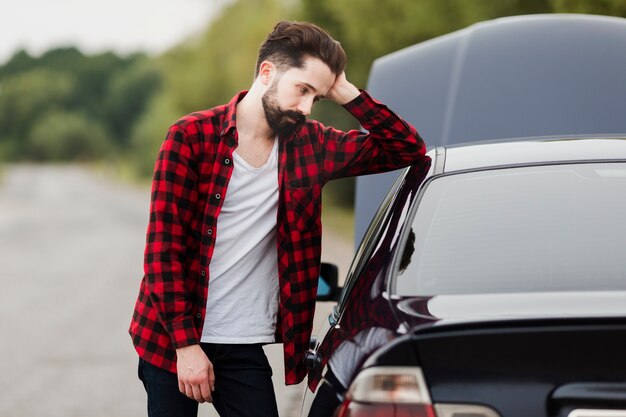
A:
(327, 288)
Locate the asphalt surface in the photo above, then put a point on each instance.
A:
(70, 263)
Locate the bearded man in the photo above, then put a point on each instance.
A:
(234, 240)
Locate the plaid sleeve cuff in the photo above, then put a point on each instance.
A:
(372, 114)
(183, 333)
(369, 111)
(359, 104)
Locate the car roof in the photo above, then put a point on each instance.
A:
(532, 151)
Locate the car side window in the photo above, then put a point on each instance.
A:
(517, 230)
(375, 251)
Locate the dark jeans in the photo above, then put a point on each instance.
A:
(243, 384)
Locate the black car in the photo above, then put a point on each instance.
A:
(491, 282)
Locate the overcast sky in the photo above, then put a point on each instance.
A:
(99, 25)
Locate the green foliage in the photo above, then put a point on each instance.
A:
(600, 7)
(93, 78)
(128, 96)
(66, 136)
(108, 91)
(21, 61)
(149, 132)
(8, 149)
(25, 96)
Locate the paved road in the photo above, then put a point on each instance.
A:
(70, 262)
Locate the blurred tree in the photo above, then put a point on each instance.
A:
(127, 97)
(93, 76)
(601, 7)
(68, 59)
(149, 132)
(21, 61)
(59, 135)
(23, 99)
(108, 90)
(477, 11)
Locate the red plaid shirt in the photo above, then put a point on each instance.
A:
(190, 183)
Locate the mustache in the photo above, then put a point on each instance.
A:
(297, 116)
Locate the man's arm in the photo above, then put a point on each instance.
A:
(173, 197)
(172, 200)
(342, 91)
(391, 143)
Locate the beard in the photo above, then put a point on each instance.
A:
(282, 122)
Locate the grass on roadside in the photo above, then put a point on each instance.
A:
(123, 171)
(338, 218)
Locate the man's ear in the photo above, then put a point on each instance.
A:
(267, 71)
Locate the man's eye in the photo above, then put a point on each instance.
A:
(304, 90)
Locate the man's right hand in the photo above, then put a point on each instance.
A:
(196, 378)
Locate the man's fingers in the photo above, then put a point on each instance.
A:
(211, 379)
(188, 391)
(195, 373)
(184, 388)
(197, 393)
(205, 392)
(200, 393)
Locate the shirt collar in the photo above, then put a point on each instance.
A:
(230, 121)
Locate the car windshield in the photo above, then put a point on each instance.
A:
(527, 229)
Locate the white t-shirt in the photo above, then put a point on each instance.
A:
(242, 302)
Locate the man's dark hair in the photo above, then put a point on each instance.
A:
(290, 42)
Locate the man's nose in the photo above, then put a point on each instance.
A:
(305, 106)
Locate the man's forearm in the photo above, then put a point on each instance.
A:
(343, 91)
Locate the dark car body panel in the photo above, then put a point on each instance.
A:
(515, 367)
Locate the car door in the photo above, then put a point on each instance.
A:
(363, 320)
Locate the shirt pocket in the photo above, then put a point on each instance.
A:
(306, 204)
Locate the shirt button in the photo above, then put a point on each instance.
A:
(199, 315)
(203, 273)
(218, 196)
(209, 232)
(226, 161)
